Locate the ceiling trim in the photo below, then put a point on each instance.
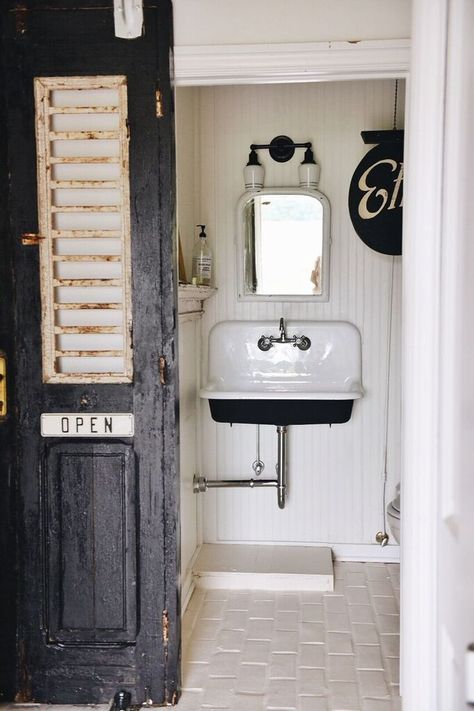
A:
(210, 65)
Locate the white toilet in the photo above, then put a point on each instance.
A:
(393, 517)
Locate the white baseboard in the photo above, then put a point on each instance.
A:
(187, 588)
(187, 582)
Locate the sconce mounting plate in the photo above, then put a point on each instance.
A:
(282, 149)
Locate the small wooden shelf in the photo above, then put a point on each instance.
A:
(191, 297)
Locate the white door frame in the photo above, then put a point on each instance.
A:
(385, 59)
(433, 243)
(421, 359)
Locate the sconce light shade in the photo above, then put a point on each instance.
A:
(254, 173)
(309, 171)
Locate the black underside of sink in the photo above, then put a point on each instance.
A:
(281, 412)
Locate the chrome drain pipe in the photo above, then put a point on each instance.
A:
(201, 484)
(281, 465)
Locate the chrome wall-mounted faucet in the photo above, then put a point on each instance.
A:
(301, 342)
(282, 330)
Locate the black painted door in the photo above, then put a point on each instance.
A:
(93, 607)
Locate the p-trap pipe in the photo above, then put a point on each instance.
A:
(202, 484)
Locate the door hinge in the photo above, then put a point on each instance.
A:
(31, 238)
(159, 104)
(166, 626)
(162, 365)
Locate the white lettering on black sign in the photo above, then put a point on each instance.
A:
(376, 198)
(368, 190)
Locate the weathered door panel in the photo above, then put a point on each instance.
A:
(96, 519)
(90, 522)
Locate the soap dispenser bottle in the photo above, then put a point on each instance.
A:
(202, 260)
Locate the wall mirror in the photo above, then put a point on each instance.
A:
(283, 245)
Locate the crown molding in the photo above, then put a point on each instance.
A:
(208, 65)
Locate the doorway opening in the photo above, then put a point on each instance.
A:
(336, 475)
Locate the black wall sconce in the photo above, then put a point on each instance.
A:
(281, 149)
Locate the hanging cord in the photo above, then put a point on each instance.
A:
(382, 536)
(258, 466)
(395, 106)
(387, 402)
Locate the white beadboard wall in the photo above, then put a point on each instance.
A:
(189, 334)
(335, 474)
(187, 169)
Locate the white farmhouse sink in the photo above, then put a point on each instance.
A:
(283, 385)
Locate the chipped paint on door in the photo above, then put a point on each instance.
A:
(84, 223)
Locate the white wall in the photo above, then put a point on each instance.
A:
(334, 474)
(187, 169)
(207, 22)
(189, 338)
(187, 159)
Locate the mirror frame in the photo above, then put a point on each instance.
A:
(240, 246)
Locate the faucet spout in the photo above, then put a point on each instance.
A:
(282, 329)
(301, 342)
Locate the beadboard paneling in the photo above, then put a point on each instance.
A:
(189, 334)
(187, 169)
(335, 474)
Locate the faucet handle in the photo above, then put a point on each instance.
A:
(302, 342)
(264, 343)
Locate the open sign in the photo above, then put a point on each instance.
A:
(79, 424)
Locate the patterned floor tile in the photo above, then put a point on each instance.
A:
(295, 651)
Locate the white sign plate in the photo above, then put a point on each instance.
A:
(92, 424)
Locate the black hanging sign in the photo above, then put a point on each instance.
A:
(376, 193)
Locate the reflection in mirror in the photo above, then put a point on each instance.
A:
(284, 240)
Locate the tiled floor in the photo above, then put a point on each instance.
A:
(54, 707)
(307, 651)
